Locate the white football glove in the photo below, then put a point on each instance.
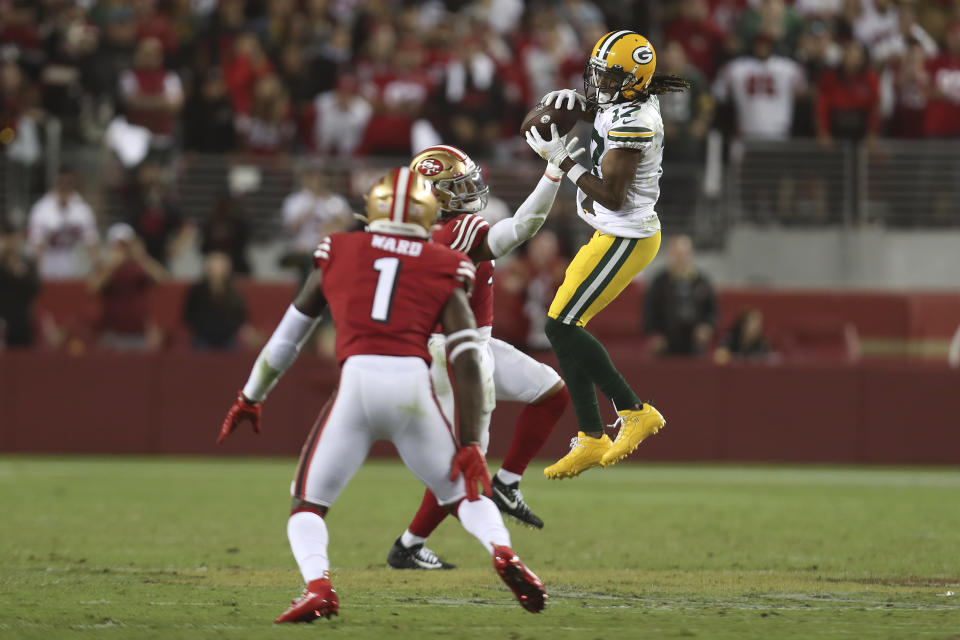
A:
(556, 149)
(571, 97)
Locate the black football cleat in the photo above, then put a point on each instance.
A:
(509, 500)
(415, 557)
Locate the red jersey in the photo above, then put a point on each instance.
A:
(466, 232)
(386, 292)
(848, 106)
(943, 113)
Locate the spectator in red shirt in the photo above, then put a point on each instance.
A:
(153, 24)
(703, 40)
(248, 65)
(848, 99)
(153, 95)
(397, 88)
(269, 127)
(911, 84)
(123, 282)
(943, 111)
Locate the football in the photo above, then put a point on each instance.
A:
(544, 115)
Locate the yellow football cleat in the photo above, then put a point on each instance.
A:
(585, 453)
(636, 425)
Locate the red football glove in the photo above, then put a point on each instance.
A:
(242, 411)
(470, 462)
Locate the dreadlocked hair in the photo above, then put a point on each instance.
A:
(665, 84)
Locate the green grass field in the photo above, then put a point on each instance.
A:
(190, 548)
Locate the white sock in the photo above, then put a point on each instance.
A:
(308, 537)
(508, 477)
(482, 520)
(408, 539)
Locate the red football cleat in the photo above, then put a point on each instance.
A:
(526, 586)
(319, 599)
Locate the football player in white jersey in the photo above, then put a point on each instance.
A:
(617, 198)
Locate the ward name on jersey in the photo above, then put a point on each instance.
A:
(465, 233)
(630, 125)
(386, 293)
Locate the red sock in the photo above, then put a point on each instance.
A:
(534, 426)
(429, 516)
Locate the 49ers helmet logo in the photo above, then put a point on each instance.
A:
(429, 167)
(642, 55)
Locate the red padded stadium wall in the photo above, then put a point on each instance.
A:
(173, 403)
(816, 411)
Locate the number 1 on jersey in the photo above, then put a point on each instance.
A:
(388, 268)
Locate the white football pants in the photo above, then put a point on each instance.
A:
(379, 398)
(508, 374)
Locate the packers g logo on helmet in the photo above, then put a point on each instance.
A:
(621, 65)
(643, 55)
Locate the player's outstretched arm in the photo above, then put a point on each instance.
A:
(463, 356)
(510, 233)
(276, 357)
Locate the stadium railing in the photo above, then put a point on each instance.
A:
(898, 183)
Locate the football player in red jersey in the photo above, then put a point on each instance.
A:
(386, 289)
(508, 374)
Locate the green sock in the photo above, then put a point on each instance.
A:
(585, 363)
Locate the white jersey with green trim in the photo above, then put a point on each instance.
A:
(631, 125)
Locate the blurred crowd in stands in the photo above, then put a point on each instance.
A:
(346, 77)
(153, 81)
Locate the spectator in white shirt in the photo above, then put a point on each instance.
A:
(59, 223)
(153, 96)
(311, 214)
(762, 88)
(342, 116)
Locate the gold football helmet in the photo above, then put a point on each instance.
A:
(402, 203)
(620, 67)
(457, 180)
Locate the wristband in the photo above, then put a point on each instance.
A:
(473, 334)
(460, 348)
(575, 172)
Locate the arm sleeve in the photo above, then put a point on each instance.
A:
(279, 353)
(510, 233)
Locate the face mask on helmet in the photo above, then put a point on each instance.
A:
(468, 193)
(605, 86)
